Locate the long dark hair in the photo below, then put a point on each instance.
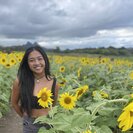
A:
(26, 78)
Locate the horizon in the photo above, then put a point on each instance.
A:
(68, 48)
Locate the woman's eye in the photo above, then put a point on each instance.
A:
(36, 59)
(40, 59)
(31, 60)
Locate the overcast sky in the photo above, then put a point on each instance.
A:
(67, 23)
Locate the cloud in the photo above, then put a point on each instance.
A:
(67, 23)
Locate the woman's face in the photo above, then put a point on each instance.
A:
(36, 62)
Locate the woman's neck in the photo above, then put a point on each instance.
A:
(38, 78)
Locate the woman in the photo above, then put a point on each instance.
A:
(33, 75)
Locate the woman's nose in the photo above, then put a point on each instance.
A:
(36, 61)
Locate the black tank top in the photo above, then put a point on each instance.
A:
(35, 104)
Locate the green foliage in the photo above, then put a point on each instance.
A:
(6, 80)
(70, 121)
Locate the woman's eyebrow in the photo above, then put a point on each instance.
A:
(35, 57)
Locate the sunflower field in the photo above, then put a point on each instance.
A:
(95, 93)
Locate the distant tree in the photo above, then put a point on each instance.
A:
(124, 52)
(67, 51)
(57, 49)
(111, 47)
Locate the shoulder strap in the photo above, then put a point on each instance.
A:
(53, 88)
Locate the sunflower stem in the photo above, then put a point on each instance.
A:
(51, 111)
(76, 82)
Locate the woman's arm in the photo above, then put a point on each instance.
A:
(15, 98)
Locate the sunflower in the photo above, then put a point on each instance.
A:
(80, 91)
(12, 61)
(3, 60)
(104, 94)
(83, 60)
(103, 60)
(62, 69)
(67, 101)
(44, 96)
(62, 83)
(126, 118)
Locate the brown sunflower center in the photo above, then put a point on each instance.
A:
(12, 61)
(67, 100)
(44, 97)
(131, 113)
(80, 92)
(3, 60)
(62, 69)
(7, 65)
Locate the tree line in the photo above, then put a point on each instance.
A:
(101, 51)
(104, 51)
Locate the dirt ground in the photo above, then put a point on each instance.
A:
(11, 123)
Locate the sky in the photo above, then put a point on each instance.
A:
(67, 24)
